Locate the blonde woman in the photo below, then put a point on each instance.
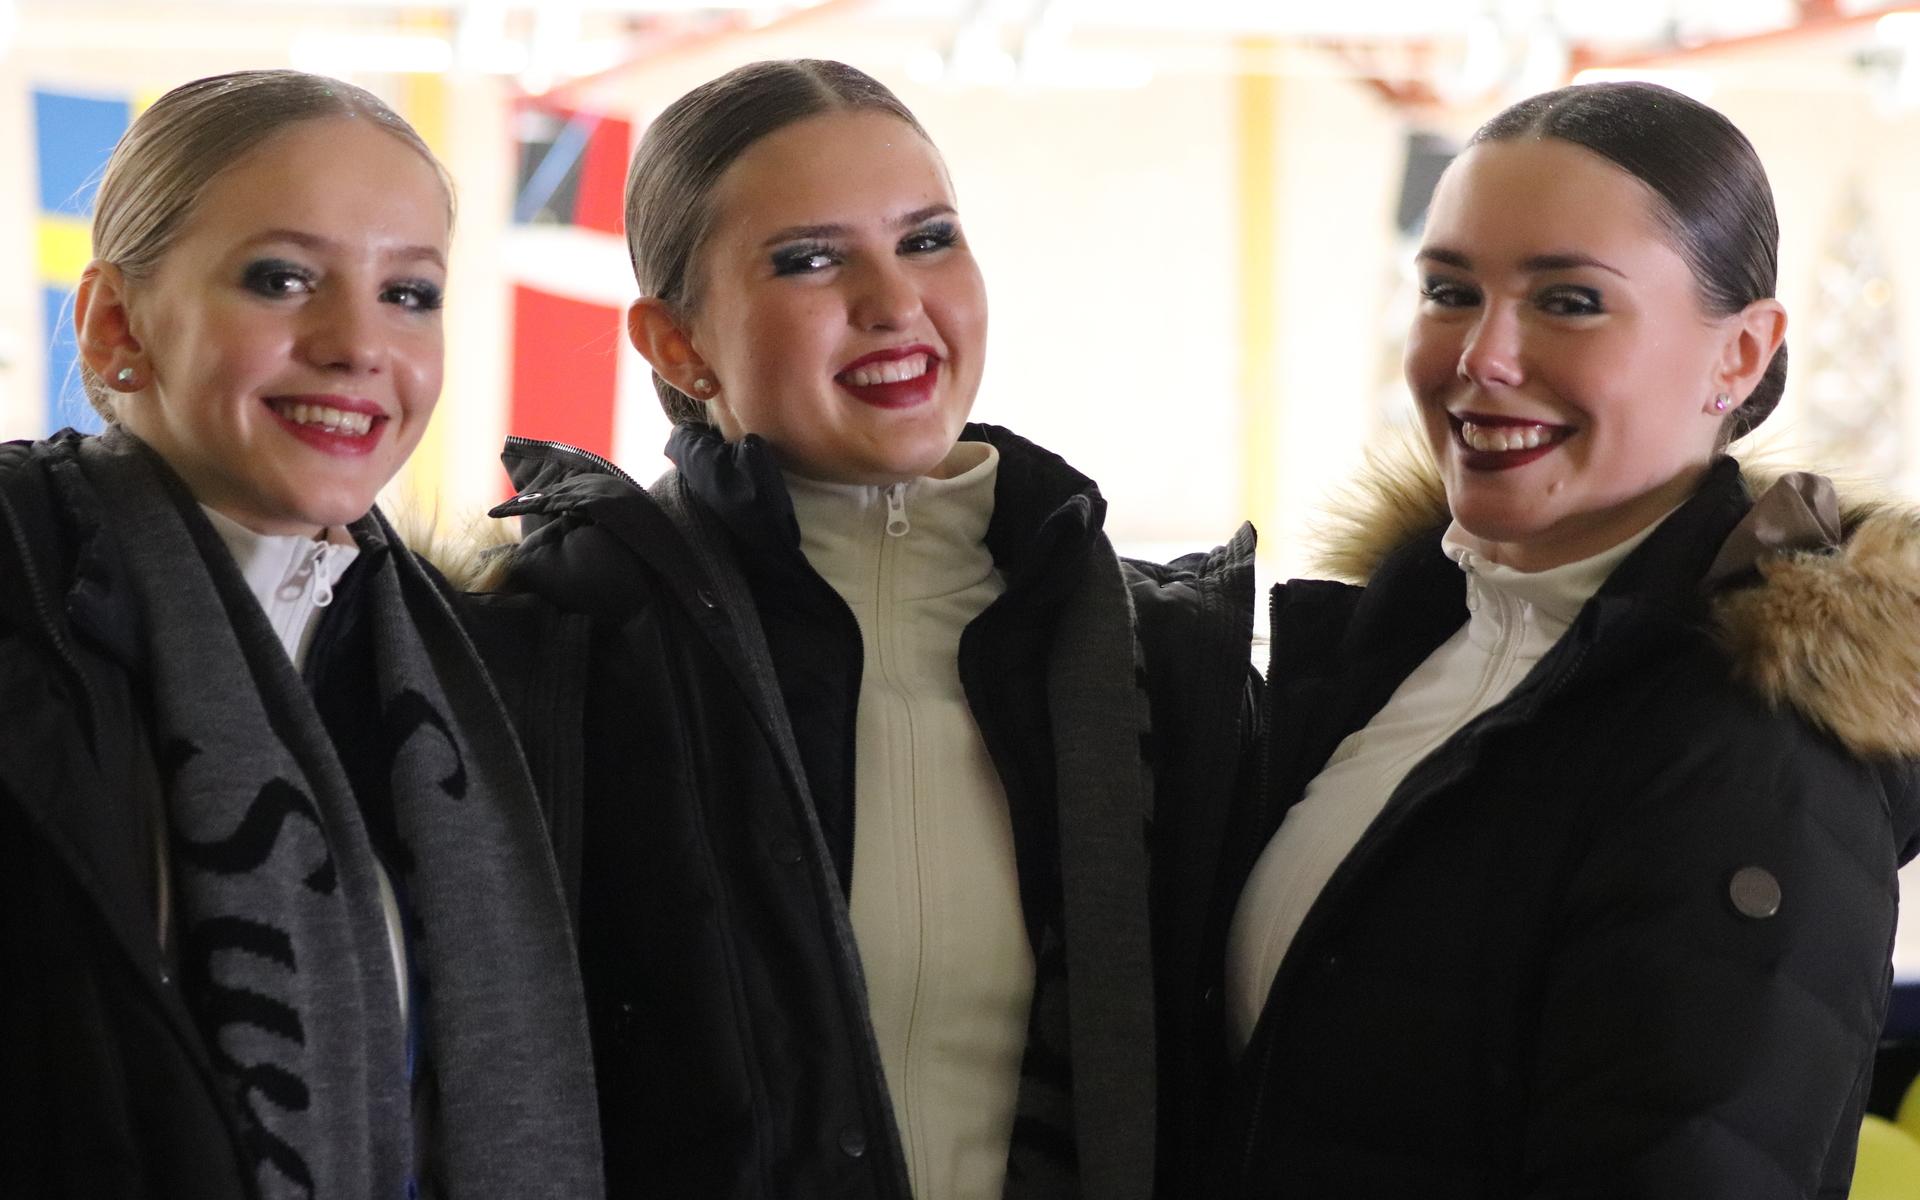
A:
(276, 915)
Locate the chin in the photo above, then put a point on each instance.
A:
(906, 462)
(326, 514)
(1498, 522)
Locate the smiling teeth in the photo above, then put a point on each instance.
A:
(898, 371)
(330, 420)
(1507, 437)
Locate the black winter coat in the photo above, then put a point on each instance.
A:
(731, 1038)
(1556, 965)
(105, 1084)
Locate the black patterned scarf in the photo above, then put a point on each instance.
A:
(284, 949)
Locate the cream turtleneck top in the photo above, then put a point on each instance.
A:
(936, 899)
(1514, 617)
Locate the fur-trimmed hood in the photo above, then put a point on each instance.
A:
(1829, 625)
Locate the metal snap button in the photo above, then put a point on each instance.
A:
(706, 597)
(1755, 892)
(853, 1142)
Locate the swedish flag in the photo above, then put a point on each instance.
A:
(73, 136)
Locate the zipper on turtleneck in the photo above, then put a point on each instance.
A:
(886, 618)
(310, 577)
(897, 523)
(934, 899)
(1505, 620)
(291, 577)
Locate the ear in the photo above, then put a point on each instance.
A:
(659, 337)
(1753, 334)
(104, 326)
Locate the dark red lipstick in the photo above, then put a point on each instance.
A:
(1504, 460)
(901, 393)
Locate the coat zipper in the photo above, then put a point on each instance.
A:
(43, 608)
(1262, 782)
(603, 464)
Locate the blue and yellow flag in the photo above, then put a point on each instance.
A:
(73, 136)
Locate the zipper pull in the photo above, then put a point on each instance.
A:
(897, 525)
(322, 579)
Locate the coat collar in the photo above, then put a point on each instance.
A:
(1825, 621)
(71, 580)
(1046, 515)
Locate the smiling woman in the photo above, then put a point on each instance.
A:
(284, 354)
(881, 924)
(814, 313)
(1575, 874)
(276, 915)
(1561, 331)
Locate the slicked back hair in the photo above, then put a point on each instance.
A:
(1713, 196)
(689, 146)
(167, 158)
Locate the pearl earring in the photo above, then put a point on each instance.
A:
(1722, 402)
(703, 385)
(125, 377)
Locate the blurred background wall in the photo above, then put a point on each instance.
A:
(1196, 217)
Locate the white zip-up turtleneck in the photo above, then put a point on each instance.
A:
(1514, 617)
(292, 577)
(936, 898)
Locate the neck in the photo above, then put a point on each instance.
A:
(960, 458)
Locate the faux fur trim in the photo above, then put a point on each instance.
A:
(1396, 498)
(1836, 635)
(473, 558)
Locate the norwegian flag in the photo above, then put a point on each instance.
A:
(575, 378)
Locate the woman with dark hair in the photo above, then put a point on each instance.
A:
(277, 917)
(861, 816)
(1574, 870)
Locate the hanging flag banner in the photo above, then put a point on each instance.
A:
(567, 259)
(565, 369)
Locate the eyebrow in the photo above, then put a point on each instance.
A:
(317, 244)
(1561, 261)
(821, 233)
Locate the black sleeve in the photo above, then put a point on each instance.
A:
(1720, 978)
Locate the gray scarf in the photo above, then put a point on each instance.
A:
(284, 948)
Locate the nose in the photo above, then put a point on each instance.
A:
(345, 332)
(1491, 354)
(887, 297)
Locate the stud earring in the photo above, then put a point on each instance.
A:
(126, 377)
(1722, 402)
(703, 385)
